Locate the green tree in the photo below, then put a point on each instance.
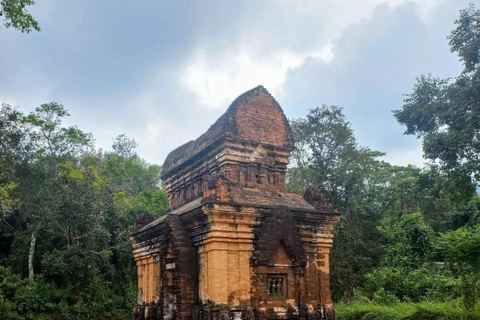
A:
(446, 112)
(327, 154)
(406, 271)
(461, 248)
(70, 214)
(11, 134)
(15, 15)
(378, 201)
(409, 242)
(50, 144)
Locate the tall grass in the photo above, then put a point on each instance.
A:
(406, 311)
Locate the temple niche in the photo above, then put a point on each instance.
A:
(235, 243)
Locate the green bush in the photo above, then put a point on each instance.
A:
(41, 299)
(423, 284)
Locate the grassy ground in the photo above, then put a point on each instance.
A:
(406, 311)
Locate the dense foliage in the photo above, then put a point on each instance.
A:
(67, 212)
(389, 245)
(407, 234)
(446, 112)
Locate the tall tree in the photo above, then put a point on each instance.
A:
(50, 144)
(371, 195)
(11, 134)
(446, 112)
(69, 211)
(328, 154)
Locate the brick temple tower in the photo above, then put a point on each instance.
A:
(235, 243)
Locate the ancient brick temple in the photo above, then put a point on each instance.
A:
(235, 243)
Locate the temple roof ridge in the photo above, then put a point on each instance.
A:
(253, 116)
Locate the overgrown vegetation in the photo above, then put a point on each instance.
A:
(405, 311)
(409, 239)
(67, 212)
(407, 246)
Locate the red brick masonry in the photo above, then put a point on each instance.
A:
(235, 243)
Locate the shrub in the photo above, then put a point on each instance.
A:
(42, 299)
(413, 285)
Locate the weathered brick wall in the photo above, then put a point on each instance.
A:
(167, 272)
(257, 116)
(179, 262)
(226, 250)
(251, 143)
(236, 244)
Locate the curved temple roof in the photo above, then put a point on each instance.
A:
(254, 116)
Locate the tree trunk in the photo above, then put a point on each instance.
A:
(31, 252)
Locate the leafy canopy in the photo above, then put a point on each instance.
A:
(79, 205)
(446, 112)
(15, 15)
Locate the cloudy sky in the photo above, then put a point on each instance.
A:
(163, 72)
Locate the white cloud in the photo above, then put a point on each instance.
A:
(215, 78)
(405, 157)
(216, 82)
(163, 74)
(156, 136)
